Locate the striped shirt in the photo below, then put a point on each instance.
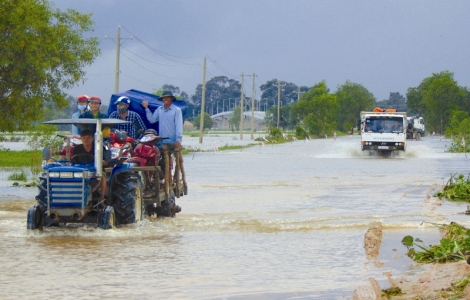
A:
(131, 129)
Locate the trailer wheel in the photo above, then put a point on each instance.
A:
(108, 219)
(166, 210)
(127, 198)
(35, 219)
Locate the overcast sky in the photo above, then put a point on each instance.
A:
(387, 46)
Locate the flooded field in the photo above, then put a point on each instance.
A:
(265, 222)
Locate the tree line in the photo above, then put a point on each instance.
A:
(44, 52)
(444, 104)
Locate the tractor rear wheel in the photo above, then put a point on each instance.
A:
(166, 210)
(127, 198)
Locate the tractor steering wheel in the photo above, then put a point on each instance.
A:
(82, 158)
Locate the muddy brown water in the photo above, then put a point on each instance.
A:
(266, 222)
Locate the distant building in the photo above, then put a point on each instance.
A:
(221, 120)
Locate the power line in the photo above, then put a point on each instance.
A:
(100, 74)
(221, 68)
(154, 62)
(153, 71)
(160, 52)
(137, 79)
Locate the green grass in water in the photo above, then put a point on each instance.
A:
(18, 176)
(23, 158)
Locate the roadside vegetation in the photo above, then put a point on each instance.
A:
(453, 247)
(457, 188)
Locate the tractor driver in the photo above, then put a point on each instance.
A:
(85, 153)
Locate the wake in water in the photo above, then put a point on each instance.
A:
(350, 147)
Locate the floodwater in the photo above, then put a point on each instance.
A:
(267, 222)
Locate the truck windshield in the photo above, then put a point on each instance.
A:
(383, 124)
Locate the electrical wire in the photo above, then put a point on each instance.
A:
(166, 55)
(154, 62)
(153, 71)
(137, 79)
(221, 68)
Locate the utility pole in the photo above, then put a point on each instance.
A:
(118, 53)
(253, 106)
(279, 102)
(203, 102)
(241, 109)
(298, 93)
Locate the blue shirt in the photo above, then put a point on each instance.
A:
(170, 123)
(75, 129)
(132, 117)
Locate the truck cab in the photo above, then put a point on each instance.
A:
(383, 131)
(416, 127)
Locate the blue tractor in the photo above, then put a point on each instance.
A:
(69, 192)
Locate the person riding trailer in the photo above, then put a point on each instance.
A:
(170, 123)
(94, 113)
(123, 113)
(82, 106)
(169, 117)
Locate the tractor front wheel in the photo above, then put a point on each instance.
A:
(35, 219)
(108, 220)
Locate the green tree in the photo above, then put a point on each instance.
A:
(285, 121)
(234, 120)
(42, 53)
(395, 100)
(414, 101)
(179, 95)
(318, 110)
(437, 96)
(352, 98)
(289, 93)
(459, 124)
(208, 122)
(219, 90)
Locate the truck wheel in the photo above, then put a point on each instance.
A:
(418, 136)
(127, 198)
(108, 219)
(166, 209)
(35, 219)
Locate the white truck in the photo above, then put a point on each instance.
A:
(383, 130)
(416, 128)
